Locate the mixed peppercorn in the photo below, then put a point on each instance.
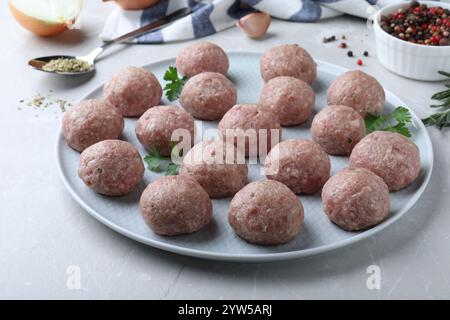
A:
(419, 24)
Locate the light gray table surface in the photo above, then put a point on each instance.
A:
(45, 234)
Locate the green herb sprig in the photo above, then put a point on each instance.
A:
(396, 121)
(441, 118)
(157, 163)
(175, 84)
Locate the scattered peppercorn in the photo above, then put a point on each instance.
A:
(359, 62)
(419, 24)
(343, 45)
(350, 53)
(329, 39)
(366, 53)
(343, 37)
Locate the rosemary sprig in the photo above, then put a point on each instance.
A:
(447, 74)
(441, 118)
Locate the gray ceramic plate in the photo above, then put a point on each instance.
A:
(218, 241)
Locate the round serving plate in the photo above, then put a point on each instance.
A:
(217, 240)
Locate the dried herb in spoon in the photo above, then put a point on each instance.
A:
(67, 65)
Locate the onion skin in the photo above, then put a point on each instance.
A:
(134, 4)
(39, 27)
(255, 24)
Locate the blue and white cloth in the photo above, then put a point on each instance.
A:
(212, 16)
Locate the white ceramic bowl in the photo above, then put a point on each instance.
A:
(408, 59)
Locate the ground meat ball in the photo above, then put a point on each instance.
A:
(338, 129)
(390, 155)
(208, 96)
(155, 127)
(300, 164)
(207, 165)
(201, 57)
(266, 212)
(133, 90)
(243, 117)
(175, 205)
(89, 122)
(356, 199)
(288, 60)
(111, 167)
(291, 99)
(358, 90)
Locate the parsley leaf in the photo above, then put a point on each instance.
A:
(171, 74)
(174, 84)
(402, 129)
(395, 121)
(373, 122)
(402, 115)
(172, 169)
(155, 161)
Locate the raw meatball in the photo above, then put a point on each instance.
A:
(133, 90)
(155, 127)
(266, 212)
(243, 117)
(89, 122)
(221, 174)
(356, 199)
(201, 57)
(358, 90)
(175, 205)
(338, 129)
(291, 99)
(208, 96)
(300, 164)
(111, 167)
(390, 155)
(288, 60)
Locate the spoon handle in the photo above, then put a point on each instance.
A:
(152, 26)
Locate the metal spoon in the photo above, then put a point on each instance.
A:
(39, 63)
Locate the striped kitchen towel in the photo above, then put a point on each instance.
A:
(209, 17)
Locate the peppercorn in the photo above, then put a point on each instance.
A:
(419, 24)
(343, 45)
(329, 39)
(444, 42)
(350, 53)
(366, 53)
